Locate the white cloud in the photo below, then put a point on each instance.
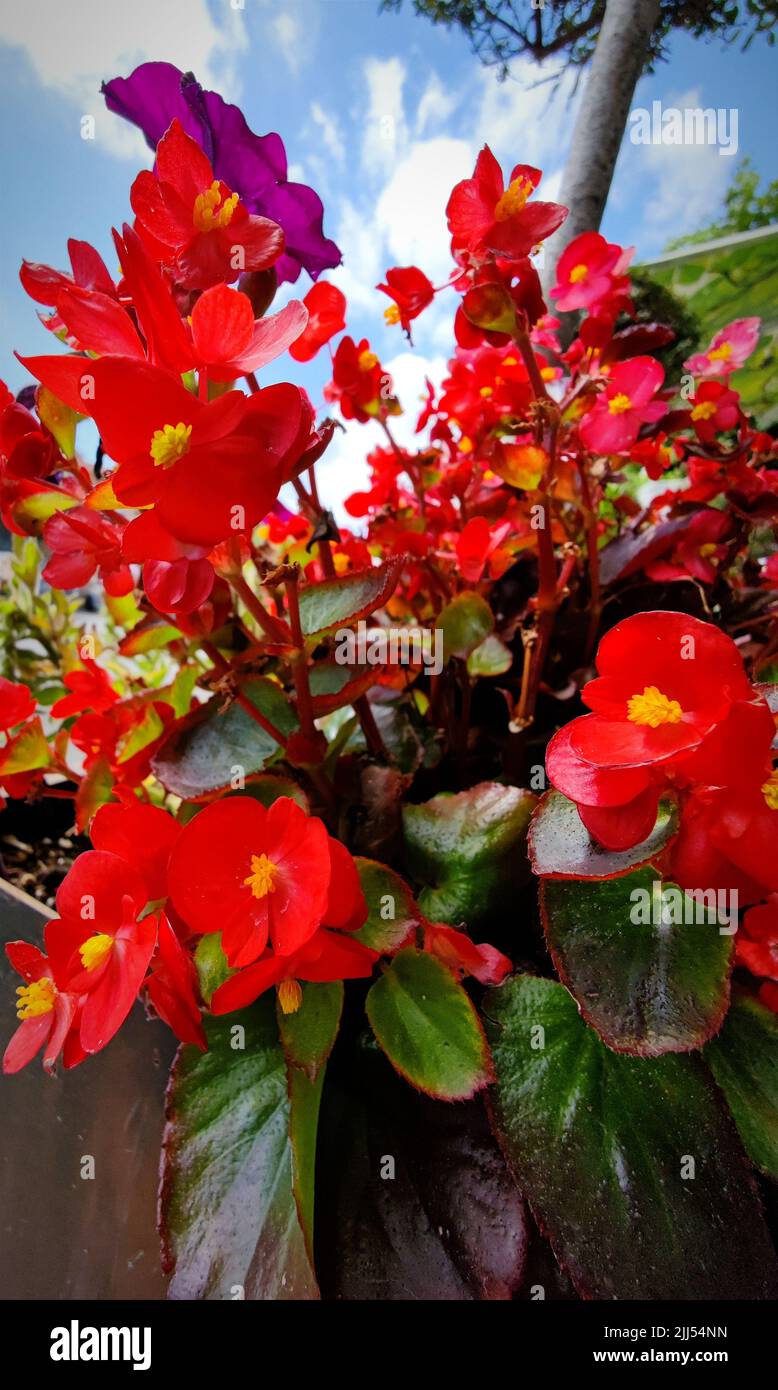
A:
(436, 104)
(329, 130)
(678, 184)
(409, 371)
(411, 211)
(363, 265)
(385, 131)
(73, 48)
(523, 121)
(289, 37)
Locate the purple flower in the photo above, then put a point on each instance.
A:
(253, 166)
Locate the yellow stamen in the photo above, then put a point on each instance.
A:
(578, 273)
(170, 443)
(367, 360)
(619, 403)
(341, 562)
(210, 212)
(770, 790)
(510, 361)
(36, 999)
(708, 549)
(547, 373)
(261, 880)
(513, 199)
(486, 392)
(290, 996)
(721, 353)
(466, 445)
(392, 314)
(95, 949)
(704, 410)
(653, 708)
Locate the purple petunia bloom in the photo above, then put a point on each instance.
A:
(253, 166)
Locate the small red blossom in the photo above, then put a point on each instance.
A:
(229, 343)
(714, 408)
(756, 943)
(485, 963)
(90, 689)
(193, 222)
(326, 306)
(359, 383)
(731, 347)
(327, 955)
(17, 703)
(585, 272)
(615, 419)
(47, 1011)
(172, 987)
(410, 292)
(85, 542)
(699, 552)
(486, 218)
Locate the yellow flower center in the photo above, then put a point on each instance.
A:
(367, 360)
(704, 410)
(770, 790)
(466, 445)
(170, 443)
(619, 403)
(653, 708)
(486, 392)
(547, 373)
(290, 996)
(708, 549)
(513, 199)
(721, 353)
(36, 999)
(261, 880)
(95, 949)
(392, 314)
(210, 212)
(578, 273)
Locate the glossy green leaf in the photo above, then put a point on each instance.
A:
(337, 602)
(468, 849)
(26, 751)
(428, 1028)
(415, 1200)
(465, 621)
(490, 658)
(229, 1219)
(560, 846)
(744, 1060)
(647, 964)
(212, 747)
(391, 909)
(309, 1034)
(632, 1166)
(334, 685)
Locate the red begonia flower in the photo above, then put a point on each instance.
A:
(228, 341)
(715, 408)
(666, 680)
(177, 577)
(614, 421)
(46, 1011)
(358, 382)
(197, 461)
(479, 544)
(193, 221)
(84, 541)
(90, 689)
(585, 272)
(731, 347)
(327, 955)
(89, 273)
(410, 291)
(756, 944)
(16, 703)
(172, 988)
(455, 949)
(699, 551)
(486, 218)
(253, 873)
(98, 945)
(167, 342)
(326, 306)
(142, 835)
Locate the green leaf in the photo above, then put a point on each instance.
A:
(182, 690)
(391, 910)
(152, 635)
(211, 964)
(468, 848)
(560, 846)
(744, 1061)
(490, 658)
(335, 602)
(415, 1200)
(210, 747)
(466, 621)
(333, 685)
(144, 731)
(304, 1102)
(95, 790)
(228, 1214)
(308, 1036)
(26, 751)
(428, 1028)
(647, 982)
(59, 418)
(600, 1143)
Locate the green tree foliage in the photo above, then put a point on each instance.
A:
(744, 209)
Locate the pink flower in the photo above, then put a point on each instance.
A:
(614, 421)
(585, 272)
(730, 348)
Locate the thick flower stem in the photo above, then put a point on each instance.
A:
(272, 628)
(299, 660)
(370, 729)
(593, 559)
(325, 550)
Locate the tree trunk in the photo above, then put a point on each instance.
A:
(618, 60)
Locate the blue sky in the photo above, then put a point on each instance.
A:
(382, 114)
